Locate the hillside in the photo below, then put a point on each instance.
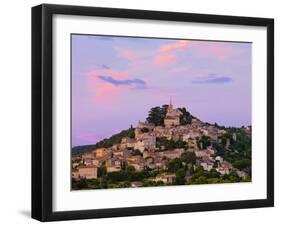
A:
(156, 116)
(106, 143)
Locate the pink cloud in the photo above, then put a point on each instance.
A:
(128, 54)
(165, 59)
(167, 48)
(166, 53)
(220, 51)
(217, 50)
(105, 93)
(107, 86)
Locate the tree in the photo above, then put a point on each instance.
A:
(82, 184)
(185, 117)
(102, 171)
(157, 115)
(174, 165)
(180, 177)
(201, 180)
(188, 157)
(242, 164)
(169, 144)
(232, 177)
(130, 169)
(205, 141)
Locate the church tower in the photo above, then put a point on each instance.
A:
(172, 117)
(170, 107)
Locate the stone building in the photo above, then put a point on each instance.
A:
(166, 178)
(88, 172)
(101, 152)
(172, 117)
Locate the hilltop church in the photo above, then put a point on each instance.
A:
(172, 117)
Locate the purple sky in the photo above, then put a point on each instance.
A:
(116, 80)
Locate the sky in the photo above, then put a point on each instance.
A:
(116, 80)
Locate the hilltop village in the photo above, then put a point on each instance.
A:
(170, 148)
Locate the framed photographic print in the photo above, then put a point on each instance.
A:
(145, 112)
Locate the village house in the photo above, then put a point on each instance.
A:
(222, 170)
(113, 162)
(138, 166)
(148, 141)
(117, 153)
(166, 178)
(201, 153)
(176, 153)
(227, 165)
(143, 125)
(147, 154)
(210, 150)
(151, 165)
(88, 172)
(96, 162)
(88, 161)
(207, 165)
(192, 134)
(110, 169)
(159, 131)
(160, 165)
(101, 152)
(134, 158)
(127, 143)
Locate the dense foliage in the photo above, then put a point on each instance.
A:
(204, 142)
(238, 152)
(201, 176)
(157, 115)
(164, 144)
(186, 117)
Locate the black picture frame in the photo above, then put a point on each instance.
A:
(42, 106)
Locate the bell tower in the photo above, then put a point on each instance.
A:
(170, 107)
